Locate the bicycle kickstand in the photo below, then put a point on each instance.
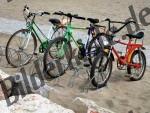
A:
(75, 74)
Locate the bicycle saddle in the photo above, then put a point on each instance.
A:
(55, 21)
(94, 21)
(138, 35)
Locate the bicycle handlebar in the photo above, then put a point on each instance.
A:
(79, 17)
(29, 14)
(107, 19)
(41, 13)
(38, 14)
(69, 15)
(125, 24)
(45, 13)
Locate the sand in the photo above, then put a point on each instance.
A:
(120, 95)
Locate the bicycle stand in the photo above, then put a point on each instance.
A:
(75, 74)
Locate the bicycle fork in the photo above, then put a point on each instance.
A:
(107, 60)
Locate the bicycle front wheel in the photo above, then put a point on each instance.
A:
(94, 49)
(57, 57)
(101, 70)
(20, 48)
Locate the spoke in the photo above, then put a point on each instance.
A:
(99, 78)
(102, 76)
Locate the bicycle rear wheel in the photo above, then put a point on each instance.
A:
(57, 57)
(19, 49)
(138, 57)
(101, 70)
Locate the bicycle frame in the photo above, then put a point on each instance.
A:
(33, 28)
(126, 59)
(68, 35)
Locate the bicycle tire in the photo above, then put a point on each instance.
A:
(133, 78)
(100, 56)
(48, 55)
(8, 48)
(99, 47)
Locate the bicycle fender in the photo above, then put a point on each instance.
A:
(130, 56)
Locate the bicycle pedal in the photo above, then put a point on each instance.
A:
(51, 66)
(86, 65)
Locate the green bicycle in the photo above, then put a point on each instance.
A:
(58, 55)
(22, 44)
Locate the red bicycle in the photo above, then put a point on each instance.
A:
(134, 60)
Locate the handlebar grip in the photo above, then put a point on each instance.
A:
(55, 13)
(58, 13)
(81, 18)
(69, 15)
(46, 13)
